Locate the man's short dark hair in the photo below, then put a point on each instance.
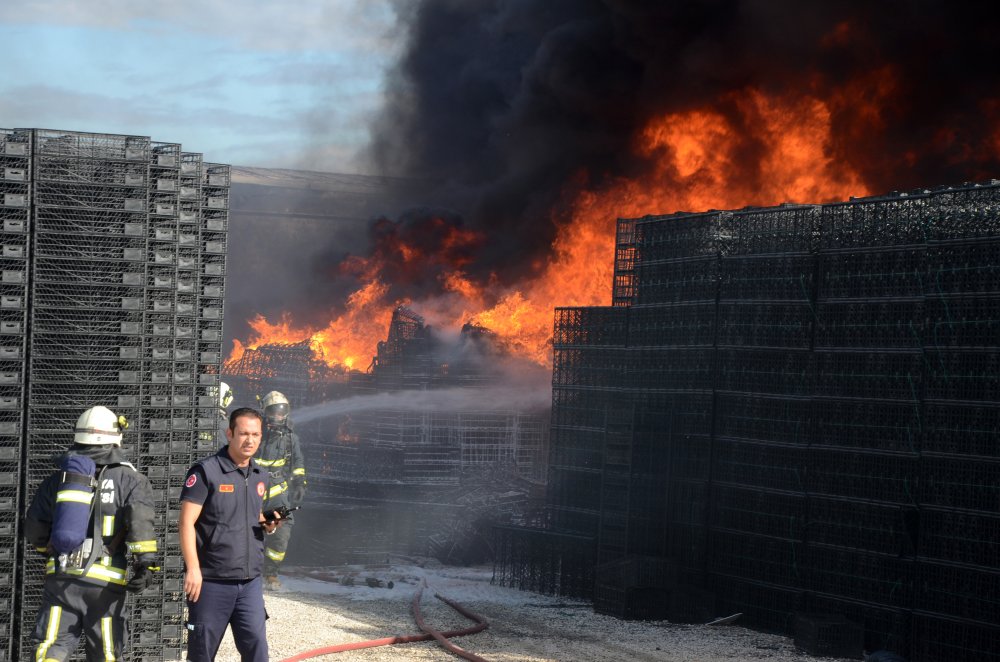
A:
(244, 411)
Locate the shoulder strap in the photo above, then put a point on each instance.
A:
(97, 540)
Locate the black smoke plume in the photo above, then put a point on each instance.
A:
(506, 102)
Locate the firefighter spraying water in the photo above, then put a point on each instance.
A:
(280, 453)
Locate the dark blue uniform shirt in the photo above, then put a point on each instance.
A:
(229, 536)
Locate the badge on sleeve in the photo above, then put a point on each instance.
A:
(192, 479)
(260, 489)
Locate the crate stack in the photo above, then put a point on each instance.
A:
(163, 431)
(587, 359)
(864, 454)
(210, 288)
(672, 328)
(103, 310)
(15, 205)
(758, 502)
(956, 609)
(86, 300)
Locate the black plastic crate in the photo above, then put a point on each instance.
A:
(960, 482)
(590, 326)
(773, 371)
(758, 511)
(637, 571)
(962, 322)
(964, 268)
(687, 501)
(756, 557)
(765, 324)
(691, 324)
(772, 466)
(972, 375)
(961, 591)
(689, 456)
(969, 211)
(960, 536)
(885, 477)
(870, 324)
(829, 635)
(765, 606)
(867, 424)
(631, 603)
(677, 235)
(767, 278)
(869, 374)
(873, 222)
(660, 282)
(893, 273)
(877, 578)
(961, 428)
(681, 369)
(691, 604)
(688, 546)
(85, 322)
(763, 418)
(939, 637)
(863, 526)
(786, 228)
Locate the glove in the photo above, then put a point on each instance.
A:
(142, 578)
(297, 492)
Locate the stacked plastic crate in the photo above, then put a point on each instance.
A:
(671, 337)
(86, 298)
(956, 610)
(163, 430)
(863, 459)
(587, 357)
(15, 199)
(762, 415)
(210, 288)
(106, 308)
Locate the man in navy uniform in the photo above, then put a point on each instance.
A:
(222, 540)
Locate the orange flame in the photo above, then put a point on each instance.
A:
(698, 161)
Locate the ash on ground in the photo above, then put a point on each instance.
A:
(322, 607)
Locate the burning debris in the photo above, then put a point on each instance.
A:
(426, 449)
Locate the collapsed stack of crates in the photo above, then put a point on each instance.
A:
(120, 289)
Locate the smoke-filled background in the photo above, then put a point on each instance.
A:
(519, 130)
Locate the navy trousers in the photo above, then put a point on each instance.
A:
(69, 608)
(222, 604)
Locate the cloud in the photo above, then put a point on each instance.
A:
(349, 25)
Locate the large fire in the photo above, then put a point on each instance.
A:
(699, 159)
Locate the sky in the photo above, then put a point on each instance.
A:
(264, 83)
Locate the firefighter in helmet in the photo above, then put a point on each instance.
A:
(281, 454)
(225, 399)
(92, 510)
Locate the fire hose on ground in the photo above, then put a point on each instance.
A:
(429, 633)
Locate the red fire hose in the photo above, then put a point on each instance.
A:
(430, 633)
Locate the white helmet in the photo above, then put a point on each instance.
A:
(276, 407)
(99, 426)
(225, 395)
